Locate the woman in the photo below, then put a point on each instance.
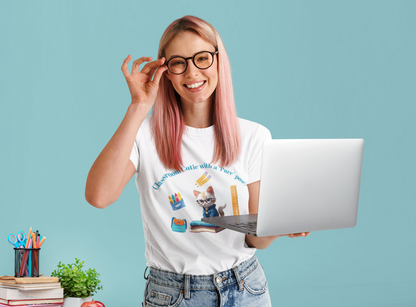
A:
(192, 158)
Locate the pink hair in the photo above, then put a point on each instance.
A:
(167, 119)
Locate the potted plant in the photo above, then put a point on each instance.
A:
(79, 285)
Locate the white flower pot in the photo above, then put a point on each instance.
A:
(75, 301)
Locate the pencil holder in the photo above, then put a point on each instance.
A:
(26, 262)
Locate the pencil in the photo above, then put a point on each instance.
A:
(28, 237)
(33, 240)
(41, 241)
(24, 259)
(35, 253)
(25, 252)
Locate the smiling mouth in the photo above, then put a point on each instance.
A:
(194, 85)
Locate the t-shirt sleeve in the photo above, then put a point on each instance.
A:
(254, 164)
(134, 156)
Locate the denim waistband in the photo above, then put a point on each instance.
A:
(188, 282)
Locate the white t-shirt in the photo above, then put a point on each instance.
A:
(176, 240)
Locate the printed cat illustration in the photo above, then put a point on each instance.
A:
(206, 200)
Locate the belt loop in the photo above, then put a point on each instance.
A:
(187, 287)
(144, 275)
(237, 277)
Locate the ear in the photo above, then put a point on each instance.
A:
(210, 190)
(166, 72)
(196, 193)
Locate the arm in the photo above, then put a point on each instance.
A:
(113, 169)
(253, 201)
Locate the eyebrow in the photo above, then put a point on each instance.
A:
(176, 55)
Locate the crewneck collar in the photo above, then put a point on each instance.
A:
(199, 131)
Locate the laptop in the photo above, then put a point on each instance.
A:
(305, 185)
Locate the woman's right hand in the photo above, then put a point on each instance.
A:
(142, 88)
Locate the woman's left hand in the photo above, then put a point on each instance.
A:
(264, 242)
(295, 235)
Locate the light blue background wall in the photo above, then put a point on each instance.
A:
(304, 69)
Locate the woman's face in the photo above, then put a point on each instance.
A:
(187, 44)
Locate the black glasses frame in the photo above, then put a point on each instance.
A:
(193, 60)
(207, 201)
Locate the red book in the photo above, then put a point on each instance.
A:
(55, 301)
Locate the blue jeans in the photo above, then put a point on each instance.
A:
(243, 285)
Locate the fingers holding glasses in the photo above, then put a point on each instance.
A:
(158, 66)
(159, 74)
(142, 87)
(138, 62)
(150, 68)
(135, 66)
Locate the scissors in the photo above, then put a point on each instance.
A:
(17, 240)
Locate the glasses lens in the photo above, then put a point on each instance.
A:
(177, 65)
(203, 60)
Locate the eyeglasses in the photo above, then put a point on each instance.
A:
(202, 60)
(202, 201)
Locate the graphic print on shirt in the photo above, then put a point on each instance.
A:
(179, 225)
(176, 201)
(206, 200)
(203, 179)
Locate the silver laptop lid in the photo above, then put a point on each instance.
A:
(309, 185)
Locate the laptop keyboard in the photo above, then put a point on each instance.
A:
(250, 226)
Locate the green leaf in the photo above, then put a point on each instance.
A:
(75, 281)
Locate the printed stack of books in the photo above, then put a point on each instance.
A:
(199, 226)
(28, 291)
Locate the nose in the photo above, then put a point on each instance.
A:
(191, 70)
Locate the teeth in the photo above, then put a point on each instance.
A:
(195, 85)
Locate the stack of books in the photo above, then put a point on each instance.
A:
(198, 226)
(29, 291)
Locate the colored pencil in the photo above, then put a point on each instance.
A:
(35, 253)
(27, 244)
(28, 237)
(25, 256)
(41, 241)
(33, 240)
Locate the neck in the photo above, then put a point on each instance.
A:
(198, 115)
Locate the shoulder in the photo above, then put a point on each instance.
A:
(146, 124)
(147, 121)
(252, 129)
(144, 130)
